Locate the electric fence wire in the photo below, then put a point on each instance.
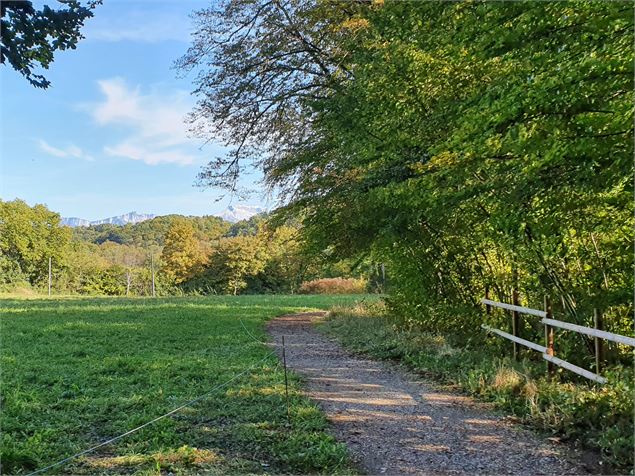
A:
(253, 337)
(154, 420)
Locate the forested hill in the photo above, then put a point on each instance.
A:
(152, 232)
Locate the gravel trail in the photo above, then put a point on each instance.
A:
(395, 423)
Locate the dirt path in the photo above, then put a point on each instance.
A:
(394, 423)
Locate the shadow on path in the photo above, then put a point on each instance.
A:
(395, 423)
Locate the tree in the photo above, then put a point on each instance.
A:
(127, 257)
(182, 256)
(233, 261)
(29, 236)
(286, 266)
(87, 270)
(30, 36)
(260, 63)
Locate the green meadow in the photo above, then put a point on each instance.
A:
(78, 371)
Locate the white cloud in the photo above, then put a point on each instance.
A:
(155, 120)
(69, 151)
(147, 155)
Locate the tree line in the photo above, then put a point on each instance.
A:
(470, 145)
(175, 254)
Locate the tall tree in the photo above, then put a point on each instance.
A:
(453, 140)
(181, 256)
(259, 64)
(29, 236)
(235, 260)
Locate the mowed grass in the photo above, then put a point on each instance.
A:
(77, 371)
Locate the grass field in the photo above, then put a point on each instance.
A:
(77, 371)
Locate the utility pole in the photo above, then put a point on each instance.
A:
(50, 276)
(152, 267)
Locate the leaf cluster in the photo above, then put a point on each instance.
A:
(30, 36)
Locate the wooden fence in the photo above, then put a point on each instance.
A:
(550, 324)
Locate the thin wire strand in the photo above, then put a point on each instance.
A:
(253, 337)
(154, 420)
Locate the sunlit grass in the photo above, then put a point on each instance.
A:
(76, 372)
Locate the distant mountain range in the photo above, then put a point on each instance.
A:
(235, 213)
(232, 213)
(132, 217)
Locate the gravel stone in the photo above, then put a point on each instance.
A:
(394, 422)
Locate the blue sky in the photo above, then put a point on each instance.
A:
(107, 137)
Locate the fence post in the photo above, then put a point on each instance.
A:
(599, 348)
(515, 318)
(488, 308)
(549, 335)
(152, 268)
(286, 381)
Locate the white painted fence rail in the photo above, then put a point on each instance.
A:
(526, 343)
(549, 323)
(511, 307)
(574, 368)
(590, 331)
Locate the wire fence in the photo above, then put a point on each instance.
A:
(171, 412)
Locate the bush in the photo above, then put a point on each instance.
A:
(334, 286)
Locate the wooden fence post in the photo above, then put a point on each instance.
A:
(50, 276)
(549, 335)
(488, 308)
(515, 318)
(599, 348)
(152, 269)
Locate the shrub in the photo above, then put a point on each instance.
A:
(334, 286)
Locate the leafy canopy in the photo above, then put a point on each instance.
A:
(30, 36)
(462, 143)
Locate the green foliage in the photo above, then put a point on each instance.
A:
(30, 37)
(600, 417)
(334, 286)
(286, 263)
(199, 255)
(29, 236)
(11, 274)
(250, 226)
(233, 261)
(182, 256)
(460, 143)
(78, 371)
(267, 260)
(150, 232)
